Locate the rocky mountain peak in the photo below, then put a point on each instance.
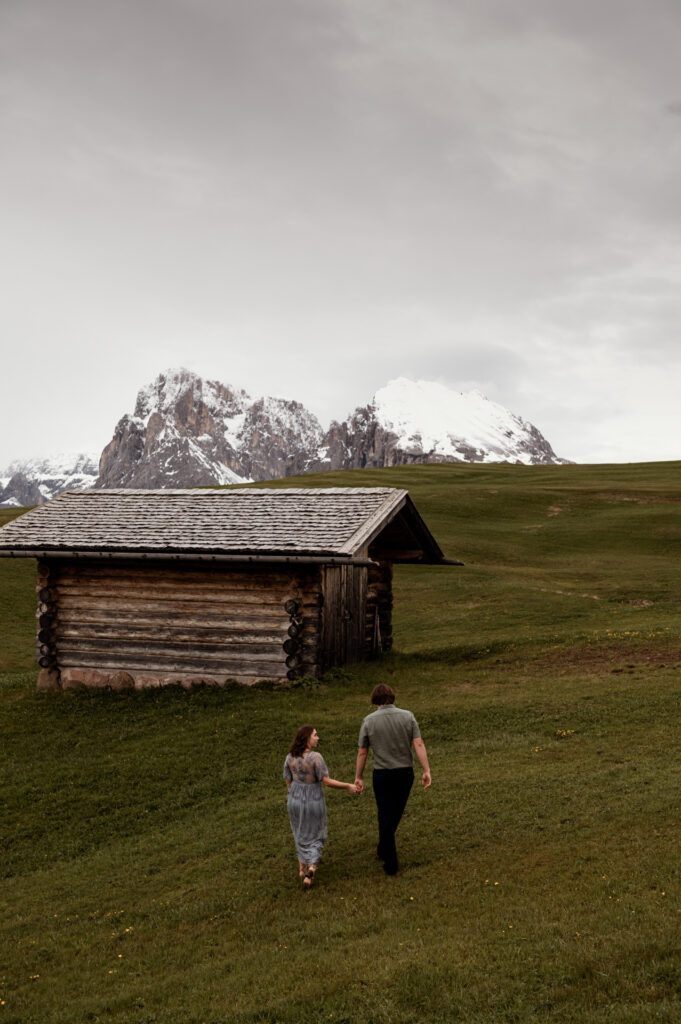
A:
(189, 432)
(186, 431)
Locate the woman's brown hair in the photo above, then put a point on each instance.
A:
(382, 694)
(299, 745)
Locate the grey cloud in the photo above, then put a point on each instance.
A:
(376, 188)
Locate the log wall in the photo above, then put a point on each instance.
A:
(149, 625)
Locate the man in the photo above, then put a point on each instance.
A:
(390, 732)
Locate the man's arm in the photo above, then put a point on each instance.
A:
(420, 748)
(359, 770)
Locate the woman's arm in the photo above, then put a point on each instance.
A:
(335, 784)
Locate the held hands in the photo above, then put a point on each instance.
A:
(353, 788)
(359, 785)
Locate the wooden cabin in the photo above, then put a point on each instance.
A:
(148, 588)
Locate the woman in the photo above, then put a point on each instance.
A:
(305, 773)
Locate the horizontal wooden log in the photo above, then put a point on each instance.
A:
(166, 595)
(127, 663)
(185, 602)
(279, 575)
(249, 642)
(159, 596)
(225, 649)
(168, 624)
(105, 612)
(293, 575)
(171, 641)
(168, 632)
(173, 626)
(281, 585)
(173, 569)
(173, 620)
(223, 603)
(209, 647)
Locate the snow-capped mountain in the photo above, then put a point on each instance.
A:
(189, 432)
(34, 481)
(422, 421)
(186, 431)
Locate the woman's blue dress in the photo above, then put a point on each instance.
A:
(306, 804)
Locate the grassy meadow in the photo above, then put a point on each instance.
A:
(148, 871)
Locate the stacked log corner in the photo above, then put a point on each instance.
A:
(45, 639)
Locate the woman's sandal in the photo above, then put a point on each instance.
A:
(308, 879)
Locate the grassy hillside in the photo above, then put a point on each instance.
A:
(149, 871)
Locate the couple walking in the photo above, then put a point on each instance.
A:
(390, 732)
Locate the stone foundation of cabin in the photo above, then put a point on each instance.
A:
(92, 679)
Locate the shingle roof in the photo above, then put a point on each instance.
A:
(335, 521)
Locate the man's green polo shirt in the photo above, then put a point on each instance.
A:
(389, 731)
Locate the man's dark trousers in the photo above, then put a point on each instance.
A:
(391, 789)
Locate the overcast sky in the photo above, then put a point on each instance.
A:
(310, 197)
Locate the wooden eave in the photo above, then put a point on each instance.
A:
(134, 554)
(424, 550)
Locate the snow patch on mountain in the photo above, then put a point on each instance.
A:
(430, 419)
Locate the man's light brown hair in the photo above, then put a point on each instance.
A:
(382, 694)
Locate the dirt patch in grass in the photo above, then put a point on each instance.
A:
(616, 656)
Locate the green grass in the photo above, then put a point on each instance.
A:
(148, 869)
(17, 608)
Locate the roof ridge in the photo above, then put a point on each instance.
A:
(192, 492)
